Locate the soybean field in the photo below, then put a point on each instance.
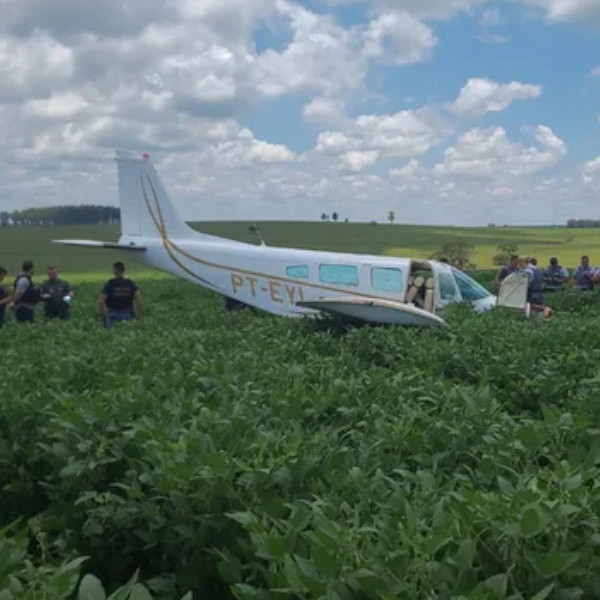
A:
(210, 454)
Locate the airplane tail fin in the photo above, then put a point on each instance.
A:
(146, 210)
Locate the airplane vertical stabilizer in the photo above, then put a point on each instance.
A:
(145, 205)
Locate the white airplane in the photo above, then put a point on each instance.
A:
(283, 281)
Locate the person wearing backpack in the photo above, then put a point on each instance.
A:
(26, 295)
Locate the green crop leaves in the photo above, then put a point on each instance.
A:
(237, 455)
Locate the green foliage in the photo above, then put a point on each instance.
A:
(238, 455)
(456, 251)
(505, 251)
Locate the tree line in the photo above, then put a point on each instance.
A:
(583, 223)
(86, 214)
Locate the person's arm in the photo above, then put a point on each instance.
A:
(69, 290)
(20, 289)
(102, 306)
(137, 299)
(7, 299)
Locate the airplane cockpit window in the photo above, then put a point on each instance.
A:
(339, 274)
(469, 288)
(447, 287)
(297, 271)
(387, 280)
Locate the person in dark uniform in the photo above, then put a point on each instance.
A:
(511, 267)
(56, 294)
(26, 294)
(5, 297)
(583, 276)
(118, 297)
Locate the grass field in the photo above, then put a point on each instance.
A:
(248, 457)
(400, 240)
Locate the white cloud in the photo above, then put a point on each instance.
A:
(322, 57)
(408, 172)
(403, 134)
(493, 38)
(490, 17)
(568, 10)
(399, 38)
(325, 110)
(357, 160)
(590, 171)
(57, 106)
(488, 153)
(33, 67)
(438, 9)
(480, 96)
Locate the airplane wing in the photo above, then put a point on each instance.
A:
(98, 244)
(374, 311)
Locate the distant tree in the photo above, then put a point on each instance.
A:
(4, 218)
(334, 216)
(454, 252)
(346, 220)
(323, 217)
(67, 215)
(505, 251)
(391, 216)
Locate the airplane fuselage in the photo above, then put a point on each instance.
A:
(275, 279)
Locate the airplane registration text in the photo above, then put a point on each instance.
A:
(277, 291)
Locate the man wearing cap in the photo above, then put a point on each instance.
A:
(118, 297)
(56, 294)
(555, 276)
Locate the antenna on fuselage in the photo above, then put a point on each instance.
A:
(255, 229)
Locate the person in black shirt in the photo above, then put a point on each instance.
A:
(118, 297)
(56, 294)
(5, 297)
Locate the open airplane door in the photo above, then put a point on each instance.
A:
(513, 292)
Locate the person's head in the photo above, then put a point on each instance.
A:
(585, 261)
(118, 269)
(554, 262)
(2, 273)
(533, 261)
(513, 261)
(52, 272)
(459, 264)
(443, 259)
(521, 263)
(27, 267)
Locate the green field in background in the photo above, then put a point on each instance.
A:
(19, 243)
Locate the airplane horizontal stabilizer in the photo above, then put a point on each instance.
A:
(99, 244)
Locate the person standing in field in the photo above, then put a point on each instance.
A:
(555, 276)
(584, 275)
(505, 271)
(56, 293)
(535, 289)
(5, 297)
(26, 294)
(118, 297)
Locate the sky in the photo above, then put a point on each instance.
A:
(458, 112)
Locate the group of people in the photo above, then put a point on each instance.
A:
(120, 298)
(554, 278)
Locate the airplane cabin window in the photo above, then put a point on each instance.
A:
(338, 274)
(297, 271)
(447, 287)
(386, 279)
(469, 288)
